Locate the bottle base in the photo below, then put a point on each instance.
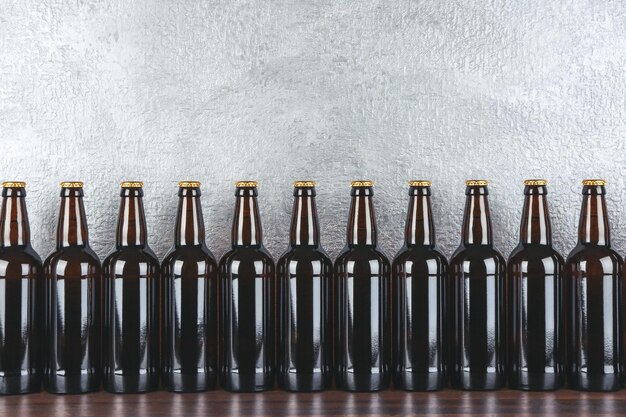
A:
(598, 383)
(130, 384)
(299, 382)
(73, 384)
(247, 383)
(362, 382)
(472, 381)
(183, 383)
(527, 381)
(414, 381)
(21, 384)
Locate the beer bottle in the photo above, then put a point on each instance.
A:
(72, 302)
(20, 296)
(594, 295)
(363, 333)
(418, 292)
(535, 282)
(477, 300)
(304, 300)
(190, 298)
(131, 299)
(247, 301)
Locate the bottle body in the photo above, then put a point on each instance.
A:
(363, 334)
(72, 306)
(536, 323)
(73, 321)
(190, 294)
(305, 327)
(419, 319)
(131, 320)
(20, 297)
(20, 346)
(477, 293)
(595, 324)
(247, 320)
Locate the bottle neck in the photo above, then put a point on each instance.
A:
(361, 221)
(189, 220)
(594, 222)
(14, 227)
(247, 223)
(420, 228)
(305, 229)
(72, 227)
(535, 227)
(476, 221)
(131, 224)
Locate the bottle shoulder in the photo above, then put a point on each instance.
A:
(586, 253)
(246, 255)
(131, 254)
(420, 254)
(304, 261)
(304, 253)
(476, 253)
(199, 253)
(362, 254)
(21, 255)
(73, 254)
(535, 253)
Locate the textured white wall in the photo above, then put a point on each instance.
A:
(161, 91)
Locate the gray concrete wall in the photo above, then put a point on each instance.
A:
(162, 91)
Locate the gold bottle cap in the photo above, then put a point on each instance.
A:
(72, 184)
(246, 184)
(420, 183)
(364, 183)
(14, 184)
(304, 184)
(536, 182)
(131, 184)
(477, 183)
(594, 182)
(189, 184)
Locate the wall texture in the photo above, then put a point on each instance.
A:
(161, 91)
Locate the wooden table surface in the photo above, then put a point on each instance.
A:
(330, 403)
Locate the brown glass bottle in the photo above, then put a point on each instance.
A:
(190, 284)
(72, 292)
(130, 284)
(304, 299)
(247, 274)
(419, 276)
(593, 283)
(362, 301)
(20, 296)
(535, 292)
(477, 300)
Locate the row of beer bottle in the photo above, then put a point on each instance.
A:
(419, 321)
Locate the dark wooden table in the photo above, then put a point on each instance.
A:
(331, 403)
